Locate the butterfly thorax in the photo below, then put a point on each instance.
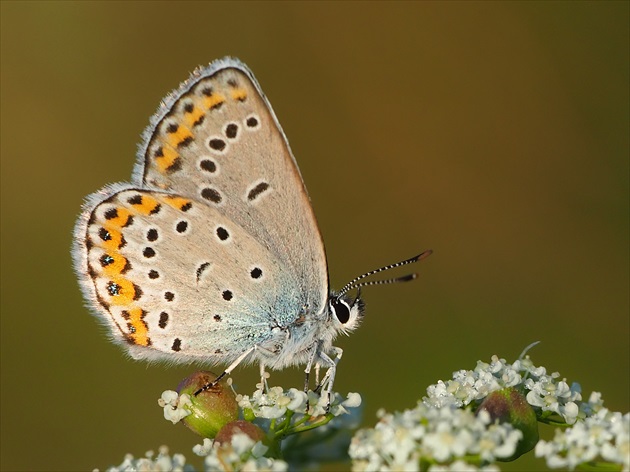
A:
(310, 332)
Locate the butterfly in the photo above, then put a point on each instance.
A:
(212, 252)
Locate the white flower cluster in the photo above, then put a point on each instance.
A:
(603, 436)
(433, 436)
(242, 454)
(550, 395)
(545, 391)
(163, 462)
(274, 403)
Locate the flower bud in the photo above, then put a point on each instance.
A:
(211, 409)
(510, 406)
(224, 436)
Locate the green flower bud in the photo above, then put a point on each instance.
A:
(510, 406)
(211, 409)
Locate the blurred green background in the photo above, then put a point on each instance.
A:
(494, 133)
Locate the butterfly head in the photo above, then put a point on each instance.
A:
(345, 312)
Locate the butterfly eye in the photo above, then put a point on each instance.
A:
(341, 310)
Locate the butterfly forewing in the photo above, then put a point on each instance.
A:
(218, 141)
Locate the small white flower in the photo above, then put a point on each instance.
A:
(353, 400)
(298, 399)
(318, 404)
(499, 441)
(569, 411)
(175, 405)
(242, 443)
(204, 448)
(259, 450)
(168, 397)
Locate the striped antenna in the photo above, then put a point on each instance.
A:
(353, 283)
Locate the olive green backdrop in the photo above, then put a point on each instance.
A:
(494, 133)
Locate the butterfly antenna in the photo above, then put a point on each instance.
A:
(353, 283)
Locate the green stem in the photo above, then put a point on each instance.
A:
(326, 420)
(599, 465)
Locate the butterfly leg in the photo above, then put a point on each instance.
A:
(317, 369)
(327, 382)
(338, 353)
(307, 369)
(227, 371)
(263, 378)
(329, 378)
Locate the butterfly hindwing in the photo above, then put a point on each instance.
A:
(162, 294)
